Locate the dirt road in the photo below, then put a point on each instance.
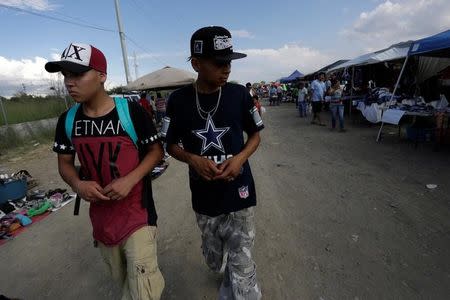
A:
(339, 217)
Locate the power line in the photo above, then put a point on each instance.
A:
(141, 10)
(57, 19)
(146, 51)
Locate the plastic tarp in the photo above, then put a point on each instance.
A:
(294, 76)
(165, 78)
(327, 67)
(430, 66)
(371, 112)
(396, 51)
(434, 52)
(435, 45)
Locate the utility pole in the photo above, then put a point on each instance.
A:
(122, 42)
(135, 66)
(5, 119)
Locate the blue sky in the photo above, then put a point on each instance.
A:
(278, 37)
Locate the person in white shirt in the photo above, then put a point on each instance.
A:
(317, 98)
(302, 93)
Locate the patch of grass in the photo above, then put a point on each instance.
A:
(28, 108)
(10, 141)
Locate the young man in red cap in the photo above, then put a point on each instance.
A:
(210, 118)
(114, 168)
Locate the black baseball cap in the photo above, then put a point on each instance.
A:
(213, 42)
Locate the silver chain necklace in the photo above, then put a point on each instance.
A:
(200, 110)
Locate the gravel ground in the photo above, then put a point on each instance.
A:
(339, 216)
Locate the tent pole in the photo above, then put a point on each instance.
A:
(398, 79)
(392, 97)
(351, 94)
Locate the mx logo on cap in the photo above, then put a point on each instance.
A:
(77, 53)
(222, 42)
(198, 47)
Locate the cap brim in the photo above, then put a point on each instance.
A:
(58, 66)
(231, 56)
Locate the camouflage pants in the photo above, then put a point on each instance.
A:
(232, 234)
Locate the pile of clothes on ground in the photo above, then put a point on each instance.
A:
(20, 213)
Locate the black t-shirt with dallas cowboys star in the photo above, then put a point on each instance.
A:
(106, 153)
(218, 136)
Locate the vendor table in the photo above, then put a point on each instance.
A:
(441, 128)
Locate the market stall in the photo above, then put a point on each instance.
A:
(432, 57)
(375, 62)
(163, 79)
(296, 75)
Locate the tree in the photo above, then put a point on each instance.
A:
(57, 86)
(116, 90)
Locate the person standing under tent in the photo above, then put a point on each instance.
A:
(272, 95)
(302, 104)
(336, 105)
(160, 104)
(317, 98)
(146, 104)
(250, 89)
(279, 94)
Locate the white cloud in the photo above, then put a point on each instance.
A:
(156, 56)
(30, 72)
(55, 56)
(242, 33)
(41, 5)
(396, 21)
(270, 64)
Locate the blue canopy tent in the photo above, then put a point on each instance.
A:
(436, 45)
(294, 76)
(434, 53)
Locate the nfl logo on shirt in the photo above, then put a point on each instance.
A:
(243, 192)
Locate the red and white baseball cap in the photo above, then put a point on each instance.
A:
(78, 58)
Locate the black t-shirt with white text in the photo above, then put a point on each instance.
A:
(218, 136)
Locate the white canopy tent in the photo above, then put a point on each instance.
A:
(393, 52)
(434, 56)
(165, 78)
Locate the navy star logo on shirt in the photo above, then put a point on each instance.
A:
(211, 136)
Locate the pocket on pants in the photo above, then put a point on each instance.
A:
(149, 282)
(144, 277)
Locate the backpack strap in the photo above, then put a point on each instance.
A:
(125, 119)
(70, 118)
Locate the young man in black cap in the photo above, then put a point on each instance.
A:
(115, 164)
(209, 118)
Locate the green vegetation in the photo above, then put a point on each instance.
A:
(24, 108)
(10, 140)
